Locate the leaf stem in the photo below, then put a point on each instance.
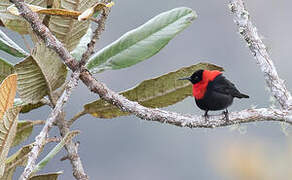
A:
(75, 117)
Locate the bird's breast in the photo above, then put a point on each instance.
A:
(199, 89)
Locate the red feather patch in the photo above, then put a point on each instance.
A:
(199, 89)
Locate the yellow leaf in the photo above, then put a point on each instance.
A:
(101, 6)
(110, 4)
(7, 93)
(60, 12)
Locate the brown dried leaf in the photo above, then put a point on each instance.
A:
(7, 93)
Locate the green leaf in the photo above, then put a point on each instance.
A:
(49, 176)
(8, 127)
(40, 74)
(82, 46)
(24, 130)
(68, 30)
(17, 159)
(68, 137)
(27, 107)
(159, 92)
(142, 42)
(5, 69)
(17, 23)
(7, 45)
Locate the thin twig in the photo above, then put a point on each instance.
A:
(75, 117)
(96, 35)
(250, 34)
(38, 122)
(53, 139)
(40, 139)
(72, 149)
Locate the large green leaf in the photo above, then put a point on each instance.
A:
(40, 74)
(159, 92)
(5, 69)
(68, 30)
(17, 23)
(142, 42)
(8, 127)
(68, 137)
(7, 45)
(17, 159)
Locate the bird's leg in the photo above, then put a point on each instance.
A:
(206, 116)
(226, 114)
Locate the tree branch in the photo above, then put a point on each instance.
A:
(143, 112)
(41, 138)
(250, 34)
(250, 115)
(56, 45)
(72, 149)
(96, 35)
(192, 121)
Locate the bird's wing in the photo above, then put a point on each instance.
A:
(224, 86)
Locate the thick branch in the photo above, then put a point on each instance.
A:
(40, 139)
(245, 116)
(249, 33)
(148, 113)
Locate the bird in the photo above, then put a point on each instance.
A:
(213, 92)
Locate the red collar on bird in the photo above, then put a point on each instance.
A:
(200, 88)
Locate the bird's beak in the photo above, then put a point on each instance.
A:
(185, 78)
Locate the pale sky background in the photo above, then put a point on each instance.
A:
(128, 148)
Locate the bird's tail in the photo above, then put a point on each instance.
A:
(242, 96)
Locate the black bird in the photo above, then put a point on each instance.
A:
(212, 91)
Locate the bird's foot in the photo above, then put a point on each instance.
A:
(206, 116)
(226, 116)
